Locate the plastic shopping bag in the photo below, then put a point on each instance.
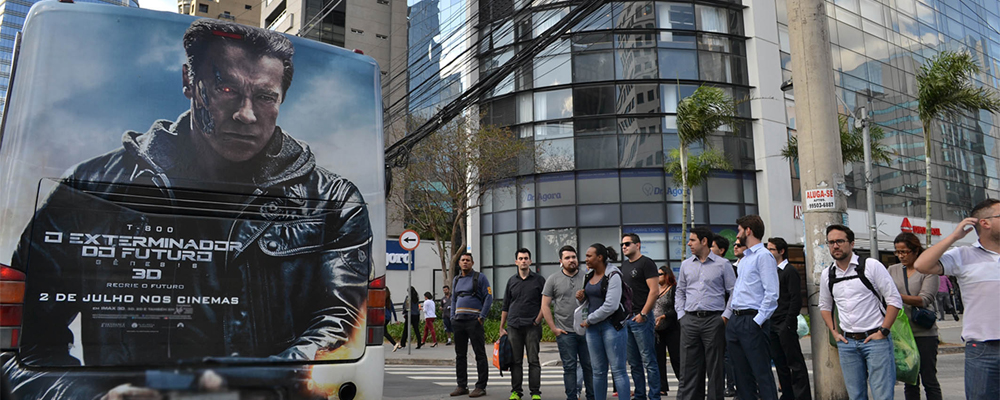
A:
(579, 315)
(803, 328)
(904, 349)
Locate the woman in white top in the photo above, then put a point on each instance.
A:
(429, 317)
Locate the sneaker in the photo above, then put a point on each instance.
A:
(478, 392)
(459, 391)
(514, 396)
(536, 397)
(449, 343)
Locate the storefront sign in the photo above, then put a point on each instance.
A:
(919, 230)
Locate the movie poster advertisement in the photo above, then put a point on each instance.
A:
(182, 192)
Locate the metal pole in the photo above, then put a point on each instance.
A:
(821, 168)
(869, 182)
(409, 293)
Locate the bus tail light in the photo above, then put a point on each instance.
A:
(11, 306)
(376, 312)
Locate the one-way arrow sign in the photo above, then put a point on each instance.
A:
(409, 240)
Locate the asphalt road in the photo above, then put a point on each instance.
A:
(418, 382)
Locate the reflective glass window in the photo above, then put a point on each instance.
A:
(486, 244)
(526, 191)
(505, 197)
(597, 187)
(553, 130)
(503, 34)
(715, 67)
(645, 185)
(551, 71)
(550, 241)
(594, 100)
(553, 104)
(554, 155)
(600, 19)
(598, 126)
(556, 217)
(653, 238)
(528, 242)
(724, 187)
(643, 213)
(556, 190)
(524, 108)
(675, 16)
(712, 19)
(675, 212)
(678, 64)
(640, 151)
(596, 66)
(487, 226)
(638, 99)
(597, 152)
(505, 221)
(527, 220)
(597, 215)
(543, 20)
(592, 41)
(605, 236)
(636, 125)
(676, 40)
(634, 15)
(635, 64)
(504, 247)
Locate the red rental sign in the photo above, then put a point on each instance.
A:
(919, 230)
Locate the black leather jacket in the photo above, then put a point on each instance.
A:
(297, 258)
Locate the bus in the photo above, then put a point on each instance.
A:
(192, 209)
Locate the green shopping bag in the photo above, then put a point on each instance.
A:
(904, 349)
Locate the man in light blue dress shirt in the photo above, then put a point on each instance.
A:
(755, 297)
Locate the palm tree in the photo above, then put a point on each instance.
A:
(698, 117)
(851, 144)
(945, 87)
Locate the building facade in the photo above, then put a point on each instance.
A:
(246, 12)
(12, 14)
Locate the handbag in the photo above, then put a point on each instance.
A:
(922, 317)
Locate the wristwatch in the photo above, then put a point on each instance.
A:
(885, 332)
(644, 316)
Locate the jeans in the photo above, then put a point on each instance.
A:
(927, 346)
(607, 349)
(871, 363)
(642, 358)
(521, 339)
(982, 370)
(470, 331)
(573, 347)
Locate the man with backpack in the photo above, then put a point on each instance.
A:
(642, 276)
(470, 306)
(867, 304)
(704, 282)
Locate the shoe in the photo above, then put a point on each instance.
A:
(434, 345)
(419, 346)
(730, 393)
(459, 391)
(514, 396)
(449, 343)
(396, 347)
(536, 397)
(478, 392)
(956, 317)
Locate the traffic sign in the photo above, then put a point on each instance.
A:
(409, 240)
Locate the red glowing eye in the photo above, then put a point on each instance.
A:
(226, 90)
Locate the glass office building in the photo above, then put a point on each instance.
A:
(12, 14)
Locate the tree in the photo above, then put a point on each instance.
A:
(945, 87)
(852, 144)
(698, 117)
(446, 176)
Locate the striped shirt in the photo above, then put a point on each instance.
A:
(978, 273)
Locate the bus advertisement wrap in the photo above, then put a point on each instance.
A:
(178, 202)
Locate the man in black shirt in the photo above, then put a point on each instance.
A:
(522, 313)
(784, 337)
(642, 277)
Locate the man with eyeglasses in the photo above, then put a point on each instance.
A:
(704, 282)
(977, 268)
(868, 302)
(784, 338)
(642, 277)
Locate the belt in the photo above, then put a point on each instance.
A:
(860, 335)
(745, 312)
(704, 314)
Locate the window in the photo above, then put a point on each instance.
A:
(675, 16)
(554, 104)
(598, 152)
(248, 7)
(203, 8)
(590, 67)
(638, 99)
(640, 151)
(381, 36)
(551, 71)
(642, 185)
(594, 100)
(678, 64)
(635, 64)
(357, 31)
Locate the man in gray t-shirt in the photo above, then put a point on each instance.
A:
(560, 289)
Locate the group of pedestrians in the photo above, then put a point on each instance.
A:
(414, 309)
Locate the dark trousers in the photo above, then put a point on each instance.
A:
(703, 343)
(521, 339)
(385, 332)
(730, 375)
(927, 347)
(748, 346)
(413, 321)
(668, 340)
(788, 361)
(470, 332)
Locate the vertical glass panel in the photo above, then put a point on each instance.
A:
(606, 236)
(553, 130)
(678, 64)
(675, 190)
(596, 152)
(524, 108)
(640, 151)
(503, 112)
(635, 15)
(677, 40)
(554, 155)
(504, 247)
(600, 19)
(715, 67)
(677, 243)
(556, 217)
(549, 242)
(591, 41)
(543, 20)
(599, 126)
(598, 215)
(653, 238)
(850, 38)
(675, 212)
(526, 192)
(500, 277)
(638, 99)
(553, 104)
(505, 196)
(637, 125)
(876, 48)
(724, 187)
(712, 19)
(505, 221)
(675, 16)
(487, 201)
(643, 213)
(486, 242)
(749, 188)
(528, 242)
(524, 77)
(594, 100)
(635, 64)
(872, 10)
(591, 67)
(503, 35)
(551, 71)
(556, 190)
(527, 220)
(597, 187)
(487, 226)
(642, 185)
(724, 214)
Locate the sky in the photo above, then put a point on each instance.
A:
(159, 5)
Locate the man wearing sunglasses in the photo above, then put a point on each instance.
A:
(642, 277)
(977, 268)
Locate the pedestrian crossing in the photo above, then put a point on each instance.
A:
(552, 375)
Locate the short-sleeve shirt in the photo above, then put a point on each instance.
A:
(978, 273)
(523, 299)
(562, 290)
(636, 274)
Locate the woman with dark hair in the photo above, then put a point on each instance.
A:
(390, 314)
(429, 316)
(668, 331)
(917, 290)
(606, 339)
(411, 316)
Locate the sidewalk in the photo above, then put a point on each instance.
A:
(949, 331)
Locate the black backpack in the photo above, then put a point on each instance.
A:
(862, 261)
(475, 287)
(505, 354)
(624, 310)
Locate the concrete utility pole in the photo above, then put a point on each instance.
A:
(864, 121)
(821, 168)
